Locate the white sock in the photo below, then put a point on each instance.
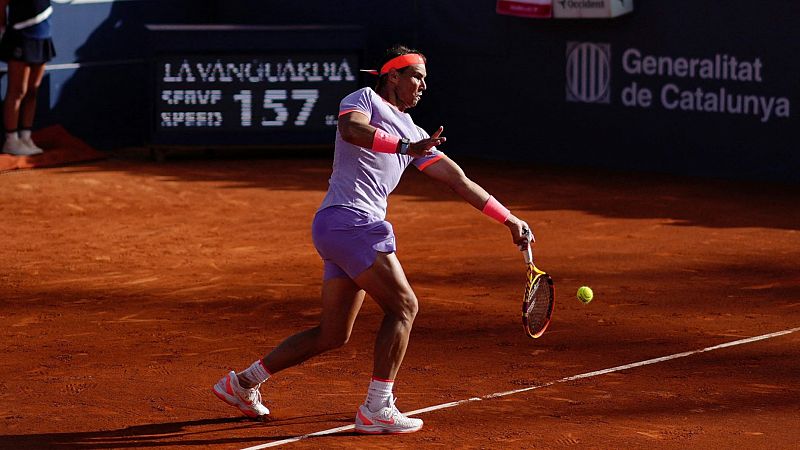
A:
(378, 393)
(255, 374)
(25, 134)
(12, 135)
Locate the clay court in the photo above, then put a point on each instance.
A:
(130, 287)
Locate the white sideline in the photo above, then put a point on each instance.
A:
(550, 383)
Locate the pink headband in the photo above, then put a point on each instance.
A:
(399, 62)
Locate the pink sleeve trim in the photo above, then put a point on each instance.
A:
(496, 210)
(341, 113)
(427, 163)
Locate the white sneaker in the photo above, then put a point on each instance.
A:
(17, 147)
(28, 143)
(387, 420)
(247, 400)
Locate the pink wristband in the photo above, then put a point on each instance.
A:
(495, 210)
(384, 142)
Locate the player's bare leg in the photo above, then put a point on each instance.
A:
(386, 282)
(341, 301)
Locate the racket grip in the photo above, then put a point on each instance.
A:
(527, 253)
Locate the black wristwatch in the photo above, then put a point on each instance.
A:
(403, 147)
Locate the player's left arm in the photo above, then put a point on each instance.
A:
(446, 171)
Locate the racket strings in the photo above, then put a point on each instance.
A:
(538, 302)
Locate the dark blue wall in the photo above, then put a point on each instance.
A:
(497, 83)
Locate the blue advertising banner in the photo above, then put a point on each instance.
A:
(687, 87)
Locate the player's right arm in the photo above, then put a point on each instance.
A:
(355, 129)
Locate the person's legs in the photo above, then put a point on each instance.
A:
(16, 89)
(18, 76)
(341, 301)
(346, 252)
(386, 282)
(27, 106)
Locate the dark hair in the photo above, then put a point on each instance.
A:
(390, 53)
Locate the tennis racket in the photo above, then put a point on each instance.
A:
(539, 299)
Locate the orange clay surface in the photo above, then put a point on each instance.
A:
(128, 288)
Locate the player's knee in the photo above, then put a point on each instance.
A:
(332, 341)
(408, 307)
(338, 341)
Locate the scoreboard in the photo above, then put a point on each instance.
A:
(252, 93)
(257, 96)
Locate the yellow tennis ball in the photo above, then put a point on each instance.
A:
(585, 294)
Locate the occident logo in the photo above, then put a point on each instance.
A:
(588, 72)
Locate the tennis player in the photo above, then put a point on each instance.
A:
(376, 140)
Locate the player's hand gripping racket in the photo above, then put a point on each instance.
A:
(539, 299)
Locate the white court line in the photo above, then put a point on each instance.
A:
(530, 388)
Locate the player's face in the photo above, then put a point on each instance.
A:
(410, 84)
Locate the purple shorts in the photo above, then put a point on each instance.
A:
(348, 240)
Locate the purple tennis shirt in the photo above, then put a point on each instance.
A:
(362, 178)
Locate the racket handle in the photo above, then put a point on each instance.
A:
(527, 253)
(526, 248)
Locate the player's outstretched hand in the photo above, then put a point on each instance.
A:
(521, 233)
(423, 148)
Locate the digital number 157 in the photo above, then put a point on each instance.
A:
(275, 100)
